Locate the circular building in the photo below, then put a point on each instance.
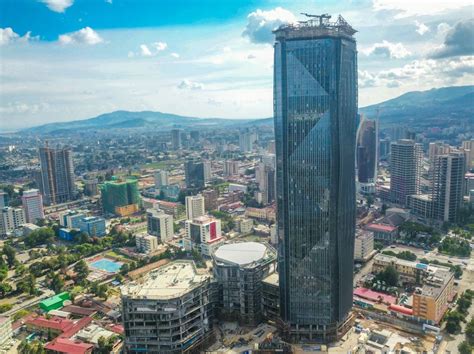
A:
(239, 269)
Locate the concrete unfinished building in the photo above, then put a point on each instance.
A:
(239, 269)
(169, 310)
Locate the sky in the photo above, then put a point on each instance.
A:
(64, 60)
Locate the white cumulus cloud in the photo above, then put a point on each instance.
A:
(145, 51)
(388, 50)
(159, 46)
(85, 35)
(421, 28)
(175, 55)
(407, 8)
(7, 36)
(260, 24)
(190, 85)
(58, 5)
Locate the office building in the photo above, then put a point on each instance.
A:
(265, 176)
(168, 310)
(203, 234)
(195, 206)
(146, 243)
(448, 179)
(90, 187)
(207, 171)
(161, 178)
(11, 219)
(431, 301)
(160, 224)
(176, 142)
(211, 197)
(71, 219)
(367, 157)
(239, 269)
(120, 197)
(437, 148)
(384, 149)
(93, 226)
(194, 174)
(247, 140)
(3, 199)
(57, 175)
(405, 170)
(315, 102)
(231, 168)
(32, 202)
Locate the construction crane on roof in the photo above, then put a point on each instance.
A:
(322, 18)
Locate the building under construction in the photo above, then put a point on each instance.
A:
(169, 310)
(120, 197)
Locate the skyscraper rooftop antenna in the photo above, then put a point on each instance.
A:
(323, 19)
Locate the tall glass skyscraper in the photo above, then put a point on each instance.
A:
(315, 107)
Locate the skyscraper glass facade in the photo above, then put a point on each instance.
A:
(315, 107)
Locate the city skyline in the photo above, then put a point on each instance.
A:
(215, 56)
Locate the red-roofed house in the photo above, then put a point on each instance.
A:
(55, 325)
(64, 345)
(76, 327)
(382, 232)
(375, 296)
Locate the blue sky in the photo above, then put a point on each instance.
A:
(71, 59)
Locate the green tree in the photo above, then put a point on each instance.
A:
(5, 307)
(453, 322)
(10, 253)
(3, 269)
(105, 346)
(5, 288)
(124, 269)
(470, 332)
(20, 269)
(465, 348)
(82, 271)
(55, 282)
(389, 275)
(27, 285)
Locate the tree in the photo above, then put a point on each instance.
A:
(470, 332)
(56, 282)
(105, 346)
(82, 271)
(389, 275)
(453, 322)
(27, 285)
(100, 290)
(464, 348)
(10, 253)
(463, 304)
(5, 288)
(3, 269)
(20, 269)
(124, 269)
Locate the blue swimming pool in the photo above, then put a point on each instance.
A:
(107, 264)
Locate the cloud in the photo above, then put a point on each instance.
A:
(7, 36)
(406, 8)
(190, 85)
(58, 5)
(388, 50)
(251, 56)
(366, 79)
(85, 35)
(175, 55)
(442, 29)
(260, 24)
(145, 51)
(159, 46)
(421, 28)
(458, 41)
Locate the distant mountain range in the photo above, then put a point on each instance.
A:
(435, 106)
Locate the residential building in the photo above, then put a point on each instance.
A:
(384, 149)
(239, 269)
(146, 243)
(194, 206)
(120, 197)
(194, 174)
(265, 176)
(231, 168)
(91, 187)
(170, 208)
(57, 175)
(246, 140)
(315, 110)
(245, 225)
(93, 226)
(210, 199)
(421, 205)
(468, 148)
(405, 170)
(367, 155)
(207, 171)
(161, 178)
(32, 202)
(204, 234)
(160, 224)
(67, 346)
(3, 199)
(437, 148)
(11, 219)
(431, 301)
(363, 245)
(168, 310)
(6, 333)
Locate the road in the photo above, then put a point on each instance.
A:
(431, 255)
(25, 304)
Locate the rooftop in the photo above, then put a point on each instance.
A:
(167, 282)
(435, 283)
(381, 227)
(243, 253)
(64, 345)
(272, 279)
(316, 26)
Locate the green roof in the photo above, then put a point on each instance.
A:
(53, 300)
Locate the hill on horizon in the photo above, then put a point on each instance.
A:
(435, 106)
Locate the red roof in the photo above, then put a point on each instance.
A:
(78, 310)
(169, 204)
(401, 309)
(381, 227)
(375, 296)
(117, 328)
(55, 323)
(76, 327)
(64, 345)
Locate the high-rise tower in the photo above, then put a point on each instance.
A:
(315, 95)
(57, 175)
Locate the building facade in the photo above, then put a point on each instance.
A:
(11, 219)
(194, 206)
(57, 175)
(405, 170)
(161, 178)
(315, 109)
(32, 202)
(120, 197)
(146, 243)
(363, 245)
(194, 174)
(203, 234)
(93, 226)
(160, 224)
(367, 156)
